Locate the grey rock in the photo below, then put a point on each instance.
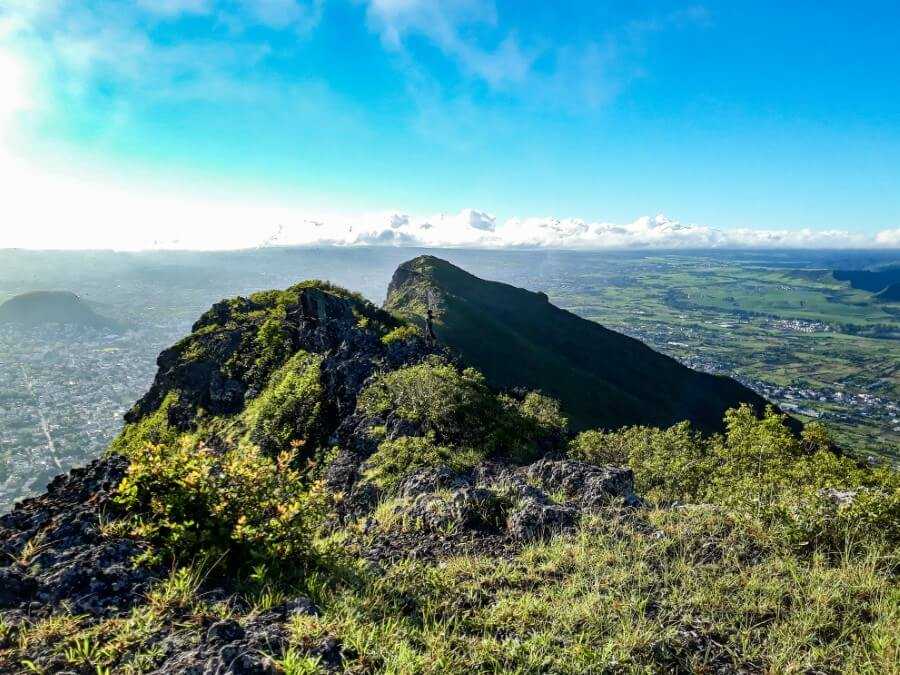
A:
(73, 564)
(228, 630)
(589, 485)
(534, 520)
(839, 497)
(430, 479)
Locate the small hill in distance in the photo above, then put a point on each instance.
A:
(38, 308)
(517, 338)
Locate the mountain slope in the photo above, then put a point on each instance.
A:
(42, 307)
(312, 486)
(517, 338)
(890, 293)
(870, 280)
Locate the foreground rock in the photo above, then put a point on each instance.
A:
(54, 551)
(495, 509)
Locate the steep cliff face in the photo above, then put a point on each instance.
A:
(236, 346)
(518, 339)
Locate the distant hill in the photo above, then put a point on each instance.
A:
(517, 338)
(43, 307)
(890, 293)
(868, 280)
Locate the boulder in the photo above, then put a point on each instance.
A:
(535, 520)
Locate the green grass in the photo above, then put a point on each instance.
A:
(684, 589)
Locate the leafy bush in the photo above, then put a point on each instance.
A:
(291, 407)
(153, 428)
(273, 341)
(402, 334)
(669, 464)
(761, 469)
(396, 459)
(455, 406)
(528, 428)
(544, 412)
(244, 506)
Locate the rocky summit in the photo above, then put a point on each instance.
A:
(316, 484)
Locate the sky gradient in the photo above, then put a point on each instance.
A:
(218, 124)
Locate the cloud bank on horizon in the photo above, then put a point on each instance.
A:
(125, 221)
(471, 228)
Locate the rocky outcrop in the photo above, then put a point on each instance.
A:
(248, 647)
(72, 551)
(54, 551)
(494, 509)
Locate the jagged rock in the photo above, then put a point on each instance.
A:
(231, 648)
(534, 520)
(16, 587)
(840, 497)
(69, 561)
(591, 486)
(430, 479)
(228, 630)
(299, 606)
(466, 508)
(496, 507)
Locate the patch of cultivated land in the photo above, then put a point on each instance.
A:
(804, 340)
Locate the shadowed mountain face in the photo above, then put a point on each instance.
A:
(43, 307)
(890, 293)
(518, 339)
(872, 281)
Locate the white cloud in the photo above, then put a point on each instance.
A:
(443, 22)
(91, 211)
(170, 8)
(888, 238)
(81, 46)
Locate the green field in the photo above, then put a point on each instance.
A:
(817, 347)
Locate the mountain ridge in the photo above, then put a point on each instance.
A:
(518, 338)
(314, 485)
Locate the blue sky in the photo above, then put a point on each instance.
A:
(774, 118)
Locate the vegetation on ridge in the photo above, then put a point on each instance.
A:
(754, 550)
(519, 339)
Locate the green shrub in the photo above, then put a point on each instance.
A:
(402, 334)
(397, 459)
(669, 464)
(151, 429)
(273, 341)
(758, 468)
(291, 407)
(544, 412)
(243, 506)
(524, 430)
(456, 406)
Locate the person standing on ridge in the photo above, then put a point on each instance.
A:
(430, 337)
